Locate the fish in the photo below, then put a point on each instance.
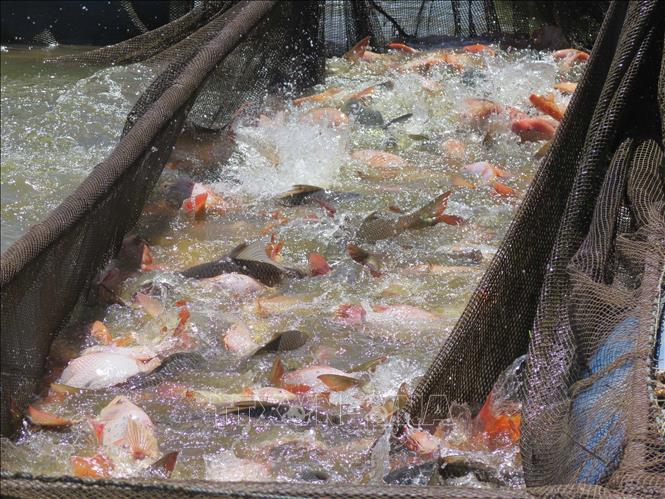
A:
(571, 55)
(318, 265)
(547, 105)
(367, 116)
(423, 63)
(454, 149)
(350, 314)
(379, 159)
(370, 365)
(382, 225)
(238, 340)
(310, 195)
(135, 254)
(235, 283)
(97, 466)
(104, 369)
(123, 424)
(401, 313)
(369, 260)
(422, 442)
(284, 341)
(478, 112)
(533, 129)
(169, 369)
(402, 48)
(39, 417)
(317, 97)
(246, 259)
(486, 170)
(325, 116)
(479, 48)
(566, 87)
(357, 51)
(308, 379)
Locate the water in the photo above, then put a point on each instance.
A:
(427, 275)
(57, 122)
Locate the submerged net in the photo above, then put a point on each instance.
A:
(577, 281)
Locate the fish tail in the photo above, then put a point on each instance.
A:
(163, 467)
(430, 214)
(141, 440)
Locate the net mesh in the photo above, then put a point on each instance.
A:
(582, 297)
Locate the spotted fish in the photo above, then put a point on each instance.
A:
(247, 259)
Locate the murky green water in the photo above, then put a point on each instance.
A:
(57, 121)
(429, 270)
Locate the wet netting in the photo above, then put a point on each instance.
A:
(577, 282)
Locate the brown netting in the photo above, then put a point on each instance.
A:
(576, 282)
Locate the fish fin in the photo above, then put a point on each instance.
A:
(150, 305)
(97, 466)
(284, 341)
(141, 440)
(452, 219)
(43, 418)
(277, 371)
(163, 467)
(318, 265)
(255, 252)
(97, 431)
(398, 119)
(338, 382)
(357, 50)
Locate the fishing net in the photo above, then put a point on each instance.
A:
(577, 282)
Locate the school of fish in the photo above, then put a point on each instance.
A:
(292, 277)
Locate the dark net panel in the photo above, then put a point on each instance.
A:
(584, 292)
(45, 272)
(576, 23)
(28, 487)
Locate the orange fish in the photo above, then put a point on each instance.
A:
(570, 54)
(317, 97)
(497, 427)
(97, 466)
(454, 148)
(503, 189)
(357, 51)
(318, 265)
(479, 48)
(485, 169)
(404, 48)
(350, 314)
(515, 114)
(379, 159)
(566, 87)
(533, 129)
(479, 111)
(326, 116)
(547, 105)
